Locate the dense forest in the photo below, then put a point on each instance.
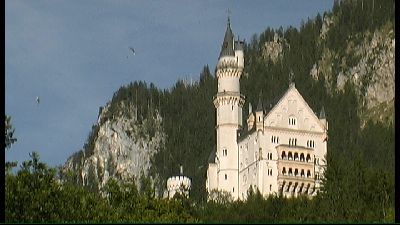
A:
(359, 180)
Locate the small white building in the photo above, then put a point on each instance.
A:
(178, 184)
(283, 149)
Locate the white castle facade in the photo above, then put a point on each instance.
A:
(282, 151)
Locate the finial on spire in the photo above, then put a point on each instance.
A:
(229, 15)
(259, 105)
(291, 76)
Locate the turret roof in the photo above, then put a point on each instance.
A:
(259, 105)
(227, 45)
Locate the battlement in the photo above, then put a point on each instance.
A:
(175, 182)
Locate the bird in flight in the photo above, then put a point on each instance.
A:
(37, 99)
(132, 49)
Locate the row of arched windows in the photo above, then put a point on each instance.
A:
(274, 139)
(296, 172)
(310, 144)
(296, 156)
(292, 121)
(292, 141)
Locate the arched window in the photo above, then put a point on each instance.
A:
(302, 157)
(226, 177)
(295, 142)
(283, 155)
(296, 172)
(308, 173)
(296, 156)
(290, 156)
(290, 172)
(277, 140)
(308, 158)
(284, 171)
(302, 173)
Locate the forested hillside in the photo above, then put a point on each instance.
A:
(359, 180)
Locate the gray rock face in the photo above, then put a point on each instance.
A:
(123, 148)
(369, 66)
(274, 49)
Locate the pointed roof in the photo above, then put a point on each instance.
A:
(227, 45)
(211, 157)
(259, 105)
(308, 108)
(322, 113)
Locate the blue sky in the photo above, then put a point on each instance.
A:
(73, 55)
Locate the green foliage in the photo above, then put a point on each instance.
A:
(9, 133)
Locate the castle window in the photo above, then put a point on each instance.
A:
(302, 157)
(296, 156)
(233, 189)
(296, 172)
(308, 173)
(270, 187)
(290, 172)
(224, 152)
(308, 158)
(232, 108)
(226, 177)
(290, 157)
(284, 171)
(283, 155)
(302, 173)
(292, 121)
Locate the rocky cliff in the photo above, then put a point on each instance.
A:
(368, 64)
(122, 148)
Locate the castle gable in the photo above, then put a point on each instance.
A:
(293, 112)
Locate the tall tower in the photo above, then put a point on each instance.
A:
(228, 103)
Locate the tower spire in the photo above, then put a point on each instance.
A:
(259, 105)
(227, 45)
(229, 15)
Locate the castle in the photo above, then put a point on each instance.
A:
(283, 149)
